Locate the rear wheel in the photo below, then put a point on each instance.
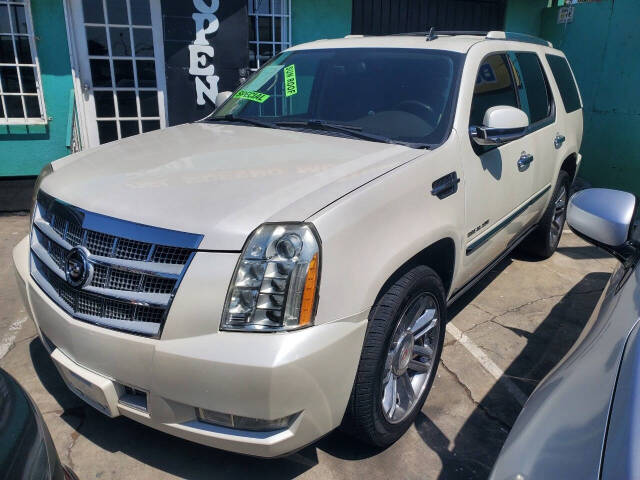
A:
(543, 241)
(399, 359)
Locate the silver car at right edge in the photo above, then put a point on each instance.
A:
(583, 419)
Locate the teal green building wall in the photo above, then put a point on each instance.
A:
(25, 150)
(312, 19)
(602, 46)
(524, 16)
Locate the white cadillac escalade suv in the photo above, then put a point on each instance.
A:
(256, 279)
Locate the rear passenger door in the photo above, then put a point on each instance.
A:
(568, 105)
(536, 101)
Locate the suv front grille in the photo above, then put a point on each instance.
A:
(136, 268)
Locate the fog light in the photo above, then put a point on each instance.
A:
(244, 423)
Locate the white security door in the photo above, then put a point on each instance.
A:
(119, 67)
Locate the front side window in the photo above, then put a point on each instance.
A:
(21, 100)
(535, 95)
(396, 95)
(566, 84)
(494, 86)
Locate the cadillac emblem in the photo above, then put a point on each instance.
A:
(78, 270)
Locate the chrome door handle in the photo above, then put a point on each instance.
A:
(524, 161)
(559, 140)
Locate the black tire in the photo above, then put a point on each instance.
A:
(543, 241)
(364, 417)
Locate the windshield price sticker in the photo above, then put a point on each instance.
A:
(250, 95)
(290, 84)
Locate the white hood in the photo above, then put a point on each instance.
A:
(219, 180)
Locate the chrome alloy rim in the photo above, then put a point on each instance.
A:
(409, 363)
(559, 216)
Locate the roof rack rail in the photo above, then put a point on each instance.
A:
(443, 32)
(432, 34)
(517, 37)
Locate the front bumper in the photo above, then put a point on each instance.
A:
(267, 376)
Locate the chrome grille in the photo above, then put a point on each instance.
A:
(136, 268)
(99, 243)
(74, 234)
(100, 276)
(157, 285)
(133, 250)
(171, 255)
(59, 224)
(121, 280)
(95, 305)
(107, 245)
(111, 277)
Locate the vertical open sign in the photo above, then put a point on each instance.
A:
(201, 50)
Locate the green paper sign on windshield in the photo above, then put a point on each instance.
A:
(290, 84)
(250, 95)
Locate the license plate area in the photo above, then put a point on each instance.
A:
(96, 390)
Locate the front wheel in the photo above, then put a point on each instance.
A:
(399, 358)
(543, 241)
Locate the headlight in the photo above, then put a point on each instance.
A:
(275, 283)
(45, 172)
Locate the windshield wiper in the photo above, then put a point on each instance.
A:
(351, 130)
(229, 117)
(319, 124)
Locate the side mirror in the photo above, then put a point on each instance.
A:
(604, 217)
(501, 124)
(221, 98)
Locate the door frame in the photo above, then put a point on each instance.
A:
(85, 107)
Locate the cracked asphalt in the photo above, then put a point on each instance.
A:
(511, 329)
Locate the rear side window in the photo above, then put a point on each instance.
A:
(535, 97)
(494, 86)
(566, 84)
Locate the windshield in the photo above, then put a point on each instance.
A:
(395, 95)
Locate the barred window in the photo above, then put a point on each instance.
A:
(21, 100)
(269, 29)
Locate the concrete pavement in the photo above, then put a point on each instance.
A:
(503, 337)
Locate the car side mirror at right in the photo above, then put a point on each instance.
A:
(501, 124)
(605, 218)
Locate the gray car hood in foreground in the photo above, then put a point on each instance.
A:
(562, 429)
(220, 180)
(621, 459)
